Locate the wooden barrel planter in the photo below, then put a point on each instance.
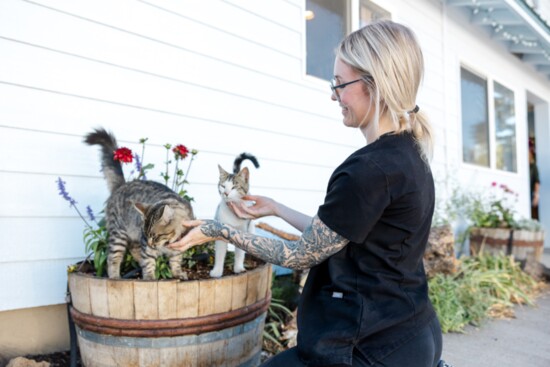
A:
(522, 244)
(213, 322)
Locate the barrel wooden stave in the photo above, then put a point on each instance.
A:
(526, 245)
(153, 301)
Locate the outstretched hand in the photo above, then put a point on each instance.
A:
(262, 207)
(202, 231)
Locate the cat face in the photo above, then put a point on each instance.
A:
(161, 224)
(232, 187)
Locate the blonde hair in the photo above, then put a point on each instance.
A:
(389, 59)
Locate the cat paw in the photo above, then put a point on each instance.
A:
(149, 276)
(216, 273)
(238, 269)
(183, 276)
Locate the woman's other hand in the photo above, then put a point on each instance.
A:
(262, 206)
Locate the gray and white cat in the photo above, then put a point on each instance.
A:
(232, 187)
(145, 231)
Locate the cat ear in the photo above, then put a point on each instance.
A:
(223, 173)
(245, 173)
(141, 208)
(167, 214)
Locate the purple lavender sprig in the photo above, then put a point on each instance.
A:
(90, 213)
(63, 192)
(138, 162)
(65, 195)
(139, 167)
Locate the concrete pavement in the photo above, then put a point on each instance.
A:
(520, 342)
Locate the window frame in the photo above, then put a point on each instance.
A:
(516, 121)
(350, 26)
(490, 84)
(353, 22)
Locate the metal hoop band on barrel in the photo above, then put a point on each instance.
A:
(170, 327)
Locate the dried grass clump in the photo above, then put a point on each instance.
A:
(484, 286)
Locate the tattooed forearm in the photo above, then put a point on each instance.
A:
(317, 243)
(215, 229)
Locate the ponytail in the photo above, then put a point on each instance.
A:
(423, 134)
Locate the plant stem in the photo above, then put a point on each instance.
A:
(188, 169)
(82, 217)
(166, 177)
(175, 178)
(142, 159)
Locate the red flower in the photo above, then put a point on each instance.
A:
(123, 155)
(180, 151)
(493, 184)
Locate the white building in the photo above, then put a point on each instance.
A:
(226, 76)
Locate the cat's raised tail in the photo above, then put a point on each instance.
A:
(240, 158)
(112, 170)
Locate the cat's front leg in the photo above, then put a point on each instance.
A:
(238, 265)
(113, 264)
(219, 259)
(175, 267)
(148, 262)
(117, 248)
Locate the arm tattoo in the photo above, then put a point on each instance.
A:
(317, 243)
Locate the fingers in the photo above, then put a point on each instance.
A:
(192, 223)
(192, 238)
(177, 246)
(240, 210)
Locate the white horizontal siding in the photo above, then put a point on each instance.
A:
(221, 77)
(64, 236)
(281, 12)
(34, 283)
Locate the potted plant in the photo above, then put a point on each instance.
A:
(496, 228)
(165, 322)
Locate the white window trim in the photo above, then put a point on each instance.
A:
(489, 80)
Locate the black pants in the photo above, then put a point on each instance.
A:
(422, 351)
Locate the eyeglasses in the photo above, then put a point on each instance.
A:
(335, 88)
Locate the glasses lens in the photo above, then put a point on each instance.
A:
(334, 89)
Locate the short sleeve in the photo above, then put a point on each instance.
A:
(356, 197)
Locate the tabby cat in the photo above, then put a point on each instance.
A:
(232, 187)
(145, 231)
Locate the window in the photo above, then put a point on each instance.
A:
(487, 142)
(505, 128)
(326, 25)
(370, 11)
(475, 120)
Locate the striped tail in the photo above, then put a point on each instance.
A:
(112, 170)
(240, 158)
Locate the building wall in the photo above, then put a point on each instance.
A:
(172, 72)
(471, 46)
(36, 330)
(221, 77)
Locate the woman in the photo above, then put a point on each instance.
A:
(365, 302)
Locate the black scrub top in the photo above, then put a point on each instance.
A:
(373, 294)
